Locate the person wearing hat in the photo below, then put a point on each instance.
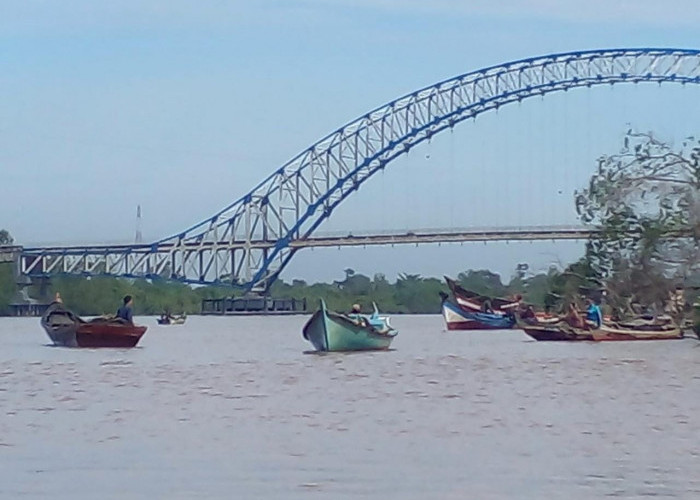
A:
(356, 315)
(125, 312)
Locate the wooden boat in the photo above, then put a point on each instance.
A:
(554, 332)
(458, 318)
(67, 329)
(562, 331)
(329, 331)
(172, 320)
(472, 301)
(612, 331)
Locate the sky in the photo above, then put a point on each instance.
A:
(182, 107)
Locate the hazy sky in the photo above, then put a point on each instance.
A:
(184, 106)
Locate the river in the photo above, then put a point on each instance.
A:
(235, 408)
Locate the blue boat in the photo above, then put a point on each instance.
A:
(457, 318)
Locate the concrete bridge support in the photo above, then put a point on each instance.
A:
(22, 304)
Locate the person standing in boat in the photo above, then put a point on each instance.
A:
(594, 314)
(125, 311)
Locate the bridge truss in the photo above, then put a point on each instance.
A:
(248, 243)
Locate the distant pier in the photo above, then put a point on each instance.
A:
(249, 306)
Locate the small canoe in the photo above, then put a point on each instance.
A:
(562, 331)
(617, 332)
(329, 331)
(67, 329)
(554, 332)
(457, 318)
(173, 320)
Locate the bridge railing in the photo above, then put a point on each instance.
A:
(211, 262)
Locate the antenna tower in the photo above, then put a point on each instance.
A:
(138, 238)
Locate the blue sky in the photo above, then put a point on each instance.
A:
(184, 106)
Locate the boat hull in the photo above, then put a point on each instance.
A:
(610, 333)
(328, 331)
(607, 332)
(474, 302)
(550, 333)
(108, 335)
(68, 330)
(457, 318)
(64, 336)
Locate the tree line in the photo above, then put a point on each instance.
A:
(409, 293)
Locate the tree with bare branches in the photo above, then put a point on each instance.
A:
(646, 198)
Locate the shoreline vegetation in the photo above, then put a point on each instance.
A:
(408, 294)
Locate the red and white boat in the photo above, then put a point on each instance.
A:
(469, 310)
(457, 318)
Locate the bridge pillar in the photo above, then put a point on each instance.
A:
(22, 304)
(10, 255)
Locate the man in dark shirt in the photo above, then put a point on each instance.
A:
(125, 311)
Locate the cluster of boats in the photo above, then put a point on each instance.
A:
(467, 310)
(326, 330)
(332, 331)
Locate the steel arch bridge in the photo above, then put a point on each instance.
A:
(248, 243)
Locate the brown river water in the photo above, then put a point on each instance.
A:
(235, 408)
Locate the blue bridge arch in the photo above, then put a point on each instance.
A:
(248, 243)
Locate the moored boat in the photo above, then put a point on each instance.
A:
(554, 332)
(458, 318)
(472, 301)
(67, 329)
(612, 331)
(329, 331)
(562, 331)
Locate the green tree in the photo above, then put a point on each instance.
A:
(7, 287)
(643, 197)
(357, 284)
(5, 238)
(483, 282)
